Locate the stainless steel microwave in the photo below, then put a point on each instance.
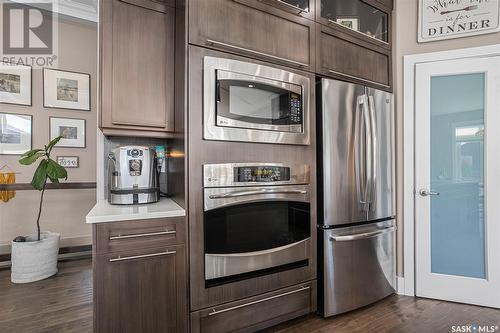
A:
(254, 103)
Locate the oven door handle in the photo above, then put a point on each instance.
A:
(236, 194)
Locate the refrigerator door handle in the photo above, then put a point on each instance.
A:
(368, 151)
(363, 235)
(360, 173)
(373, 182)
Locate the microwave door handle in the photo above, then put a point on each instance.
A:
(236, 194)
(217, 90)
(373, 194)
(358, 147)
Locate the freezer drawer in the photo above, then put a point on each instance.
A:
(358, 266)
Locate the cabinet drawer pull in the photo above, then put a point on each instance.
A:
(159, 233)
(238, 48)
(142, 256)
(358, 78)
(214, 312)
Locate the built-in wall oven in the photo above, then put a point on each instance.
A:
(249, 102)
(257, 220)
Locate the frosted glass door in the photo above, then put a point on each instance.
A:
(457, 174)
(457, 154)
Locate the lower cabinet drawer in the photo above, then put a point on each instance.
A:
(139, 234)
(255, 313)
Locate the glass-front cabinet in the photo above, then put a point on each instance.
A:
(299, 4)
(356, 15)
(302, 8)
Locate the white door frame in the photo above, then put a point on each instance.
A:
(406, 285)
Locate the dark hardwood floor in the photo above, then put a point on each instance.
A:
(64, 304)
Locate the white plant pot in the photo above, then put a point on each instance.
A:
(35, 260)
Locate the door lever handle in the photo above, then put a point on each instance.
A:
(426, 193)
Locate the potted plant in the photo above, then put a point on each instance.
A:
(35, 257)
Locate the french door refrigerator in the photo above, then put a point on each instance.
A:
(356, 204)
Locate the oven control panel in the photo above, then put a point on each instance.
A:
(261, 174)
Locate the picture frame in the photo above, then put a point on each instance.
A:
(350, 22)
(15, 84)
(72, 130)
(68, 162)
(15, 133)
(66, 90)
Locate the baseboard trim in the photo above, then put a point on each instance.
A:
(401, 285)
(65, 254)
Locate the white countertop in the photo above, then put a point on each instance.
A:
(105, 212)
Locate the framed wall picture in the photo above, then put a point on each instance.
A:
(72, 131)
(15, 84)
(66, 90)
(351, 22)
(68, 161)
(439, 20)
(15, 133)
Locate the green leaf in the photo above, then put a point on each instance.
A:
(54, 180)
(40, 176)
(52, 143)
(55, 171)
(31, 152)
(30, 159)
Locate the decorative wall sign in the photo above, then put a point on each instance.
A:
(15, 84)
(15, 133)
(66, 90)
(446, 19)
(68, 161)
(72, 132)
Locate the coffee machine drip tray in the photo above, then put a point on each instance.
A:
(134, 196)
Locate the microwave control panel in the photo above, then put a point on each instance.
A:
(261, 174)
(295, 109)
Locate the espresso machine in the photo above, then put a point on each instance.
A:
(133, 176)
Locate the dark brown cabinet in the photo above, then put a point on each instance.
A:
(343, 56)
(255, 313)
(367, 20)
(303, 8)
(388, 3)
(140, 276)
(254, 29)
(137, 67)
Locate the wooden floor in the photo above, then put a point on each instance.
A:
(64, 304)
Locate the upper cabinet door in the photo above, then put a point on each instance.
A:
(341, 55)
(365, 19)
(137, 59)
(254, 29)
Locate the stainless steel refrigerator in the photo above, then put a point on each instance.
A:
(356, 227)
